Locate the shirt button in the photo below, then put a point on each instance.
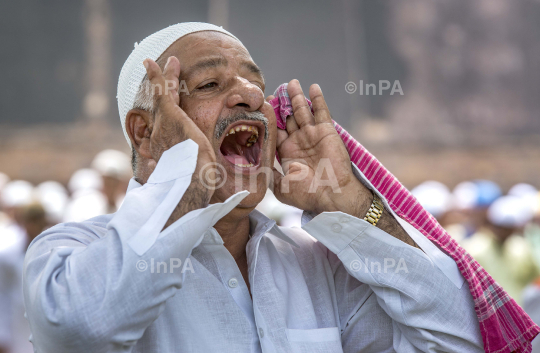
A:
(233, 283)
(261, 332)
(336, 227)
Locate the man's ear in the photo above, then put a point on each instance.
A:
(139, 125)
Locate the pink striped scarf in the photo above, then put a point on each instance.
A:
(505, 327)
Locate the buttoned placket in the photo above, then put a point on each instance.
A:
(232, 279)
(252, 255)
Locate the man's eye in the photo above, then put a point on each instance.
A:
(208, 85)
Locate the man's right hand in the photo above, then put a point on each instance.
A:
(171, 126)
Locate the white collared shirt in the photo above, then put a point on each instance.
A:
(117, 283)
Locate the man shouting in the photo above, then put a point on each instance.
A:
(188, 265)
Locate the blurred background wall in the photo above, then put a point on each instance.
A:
(469, 73)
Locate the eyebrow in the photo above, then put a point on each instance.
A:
(253, 68)
(206, 64)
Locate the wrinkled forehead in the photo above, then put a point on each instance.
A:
(192, 47)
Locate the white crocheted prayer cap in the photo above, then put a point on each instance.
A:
(151, 47)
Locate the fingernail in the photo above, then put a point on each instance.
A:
(145, 63)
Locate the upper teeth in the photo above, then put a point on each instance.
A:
(254, 133)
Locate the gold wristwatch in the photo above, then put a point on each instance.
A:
(375, 211)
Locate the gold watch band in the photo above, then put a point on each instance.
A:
(375, 211)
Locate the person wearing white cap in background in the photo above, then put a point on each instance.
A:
(470, 201)
(522, 190)
(85, 179)
(437, 199)
(15, 195)
(246, 285)
(85, 204)
(501, 248)
(87, 199)
(527, 193)
(465, 195)
(54, 197)
(434, 196)
(115, 169)
(14, 331)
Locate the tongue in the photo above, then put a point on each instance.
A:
(251, 153)
(234, 150)
(237, 154)
(236, 159)
(234, 153)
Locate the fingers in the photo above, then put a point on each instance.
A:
(269, 98)
(152, 69)
(320, 109)
(282, 135)
(292, 126)
(301, 111)
(171, 72)
(164, 95)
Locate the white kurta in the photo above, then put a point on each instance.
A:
(94, 286)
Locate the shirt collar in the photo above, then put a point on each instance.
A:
(133, 184)
(259, 224)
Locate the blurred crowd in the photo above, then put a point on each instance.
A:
(501, 231)
(26, 210)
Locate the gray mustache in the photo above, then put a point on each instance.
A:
(222, 124)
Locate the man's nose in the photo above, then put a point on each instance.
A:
(245, 94)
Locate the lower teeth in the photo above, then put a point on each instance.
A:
(244, 165)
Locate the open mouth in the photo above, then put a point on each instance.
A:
(241, 145)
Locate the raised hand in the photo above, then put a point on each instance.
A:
(318, 174)
(171, 124)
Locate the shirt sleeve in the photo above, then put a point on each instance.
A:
(85, 292)
(422, 291)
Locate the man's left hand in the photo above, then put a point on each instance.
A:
(318, 174)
